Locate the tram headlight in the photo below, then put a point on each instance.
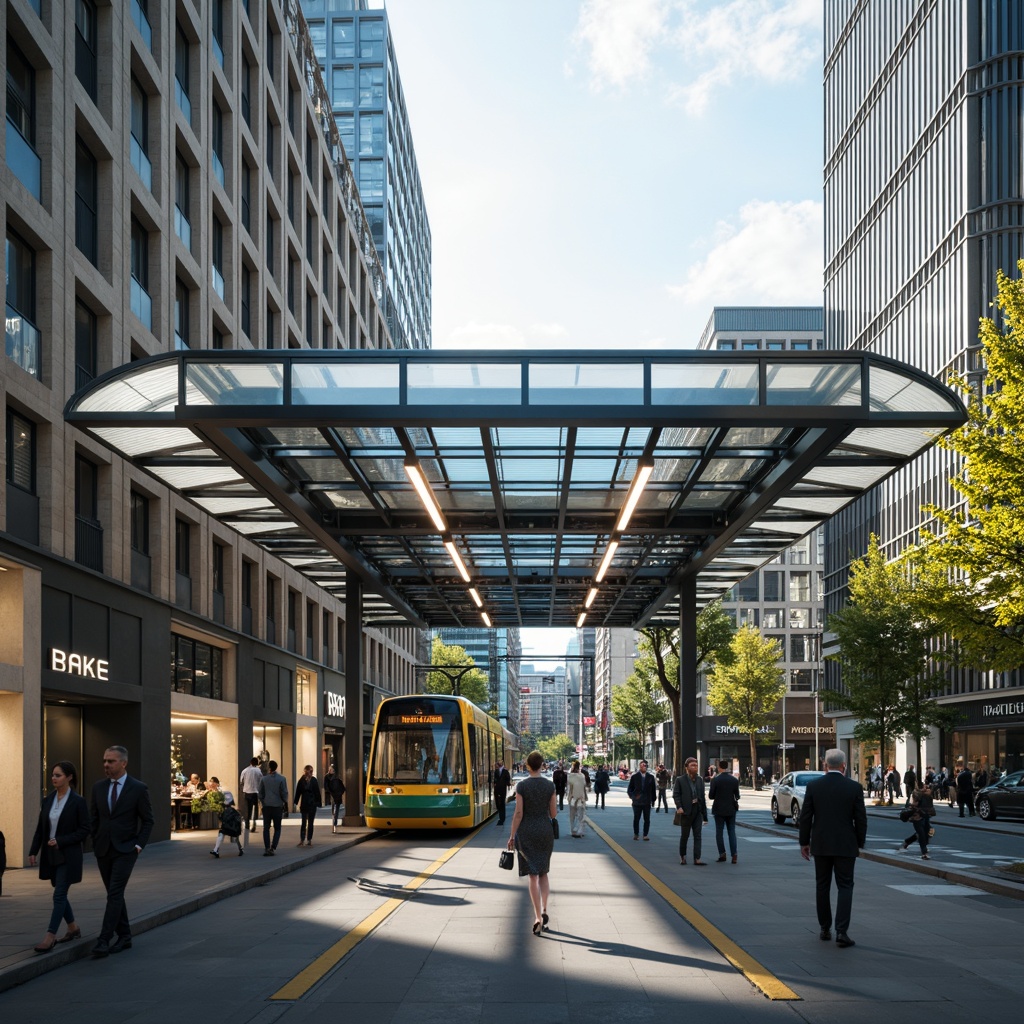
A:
(388, 789)
(443, 789)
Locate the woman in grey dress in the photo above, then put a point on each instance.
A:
(532, 836)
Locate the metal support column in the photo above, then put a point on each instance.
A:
(688, 668)
(355, 784)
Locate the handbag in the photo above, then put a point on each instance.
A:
(506, 860)
(680, 817)
(554, 827)
(906, 813)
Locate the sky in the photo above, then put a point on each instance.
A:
(599, 174)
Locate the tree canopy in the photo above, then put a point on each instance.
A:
(746, 687)
(636, 703)
(557, 748)
(472, 684)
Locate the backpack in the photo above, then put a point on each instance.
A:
(231, 822)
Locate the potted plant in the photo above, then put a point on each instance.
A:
(206, 807)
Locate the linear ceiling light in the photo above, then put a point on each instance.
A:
(590, 597)
(613, 546)
(419, 481)
(477, 599)
(486, 618)
(453, 553)
(644, 469)
(580, 619)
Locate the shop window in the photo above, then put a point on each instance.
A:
(305, 692)
(196, 668)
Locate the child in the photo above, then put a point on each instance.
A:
(230, 826)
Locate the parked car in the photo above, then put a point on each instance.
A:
(1002, 798)
(788, 795)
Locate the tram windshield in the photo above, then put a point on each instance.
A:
(419, 740)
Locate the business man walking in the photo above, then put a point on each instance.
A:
(121, 821)
(833, 827)
(642, 794)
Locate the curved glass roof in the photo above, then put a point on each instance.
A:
(527, 459)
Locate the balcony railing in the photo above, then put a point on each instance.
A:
(89, 543)
(217, 279)
(23, 342)
(142, 23)
(23, 160)
(141, 163)
(184, 103)
(142, 304)
(182, 228)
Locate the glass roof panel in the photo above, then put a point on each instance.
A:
(528, 437)
(671, 470)
(353, 499)
(753, 437)
(136, 442)
(586, 383)
(612, 437)
(182, 477)
(229, 506)
(704, 384)
(466, 383)
(813, 384)
(707, 499)
(514, 500)
(256, 383)
(730, 470)
(256, 527)
(458, 437)
(460, 470)
(512, 470)
(294, 437)
(683, 437)
(826, 506)
(893, 440)
(369, 437)
(847, 476)
(891, 391)
(586, 471)
(147, 389)
(382, 470)
(370, 383)
(321, 470)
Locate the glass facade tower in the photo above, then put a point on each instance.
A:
(353, 43)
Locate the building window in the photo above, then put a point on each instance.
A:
(140, 15)
(246, 196)
(371, 179)
(22, 157)
(218, 568)
(310, 238)
(799, 586)
(217, 143)
(343, 88)
(246, 88)
(86, 202)
(343, 39)
(371, 134)
(309, 319)
(271, 603)
(142, 304)
(774, 618)
(748, 589)
(217, 256)
(246, 594)
(139, 142)
(85, 45)
(23, 340)
(196, 668)
(21, 452)
(371, 87)
(318, 37)
(773, 585)
(181, 74)
(803, 647)
(371, 39)
(293, 614)
(292, 271)
(140, 523)
(269, 250)
(85, 345)
(217, 29)
(246, 298)
(182, 547)
(88, 532)
(270, 148)
(182, 331)
(182, 225)
(347, 131)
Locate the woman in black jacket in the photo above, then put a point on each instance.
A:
(63, 827)
(308, 799)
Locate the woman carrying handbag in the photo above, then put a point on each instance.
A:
(532, 837)
(63, 827)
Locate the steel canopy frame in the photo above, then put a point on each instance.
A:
(529, 457)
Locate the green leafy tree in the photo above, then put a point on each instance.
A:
(557, 748)
(970, 568)
(471, 684)
(746, 688)
(884, 646)
(660, 644)
(636, 703)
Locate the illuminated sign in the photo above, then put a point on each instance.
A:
(335, 704)
(421, 719)
(79, 664)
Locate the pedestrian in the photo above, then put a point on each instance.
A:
(121, 819)
(892, 783)
(688, 794)
(577, 793)
(63, 827)
(307, 799)
(965, 790)
(833, 829)
(274, 798)
(560, 779)
(335, 789)
(641, 792)
(230, 826)
(532, 837)
(910, 781)
(724, 792)
(502, 782)
(602, 783)
(661, 777)
(249, 781)
(922, 811)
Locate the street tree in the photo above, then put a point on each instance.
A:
(636, 703)
(471, 685)
(969, 566)
(557, 748)
(661, 644)
(746, 688)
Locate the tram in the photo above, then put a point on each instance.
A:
(432, 759)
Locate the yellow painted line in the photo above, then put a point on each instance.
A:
(757, 974)
(330, 958)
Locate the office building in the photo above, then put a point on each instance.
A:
(614, 654)
(168, 181)
(923, 205)
(495, 652)
(542, 700)
(354, 45)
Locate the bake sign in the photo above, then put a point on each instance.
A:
(83, 665)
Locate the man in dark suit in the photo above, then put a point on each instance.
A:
(833, 827)
(642, 792)
(122, 819)
(502, 780)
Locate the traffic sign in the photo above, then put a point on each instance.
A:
(786, 746)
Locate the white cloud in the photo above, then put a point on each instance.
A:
(774, 257)
(620, 37)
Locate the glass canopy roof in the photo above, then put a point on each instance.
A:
(527, 460)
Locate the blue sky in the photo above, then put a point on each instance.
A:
(601, 173)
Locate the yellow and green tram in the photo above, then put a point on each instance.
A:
(432, 760)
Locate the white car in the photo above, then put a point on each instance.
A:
(788, 795)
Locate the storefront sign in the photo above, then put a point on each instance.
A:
(988, 713)
(1011, 708)
(78, 664)
(335, 704)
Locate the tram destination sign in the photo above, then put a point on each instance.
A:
(421, 719)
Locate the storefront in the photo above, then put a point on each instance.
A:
(990, 735)
(805, 739)
(334, 728)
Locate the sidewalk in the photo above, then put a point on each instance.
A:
(153, 897)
